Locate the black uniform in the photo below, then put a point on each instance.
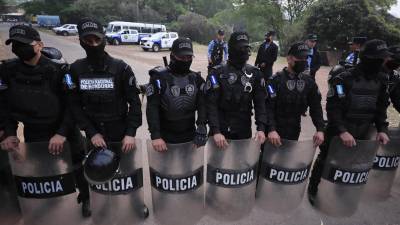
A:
(231, 94)
(35, 96)
(172, 102)
(289, 96)
(105, 99)
(268, 56)
(354, 103)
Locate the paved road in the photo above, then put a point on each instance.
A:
(385, 213)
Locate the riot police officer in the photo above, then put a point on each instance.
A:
(290, 92)
(392, 68)
(33, 92)
(174, 95)
(313, 58)
(355, 46)
(267, 55)
(103, 94)
(217, 50)
(232, 90)
(356, 100)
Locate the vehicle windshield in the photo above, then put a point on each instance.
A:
(65, 26)
(157, 35)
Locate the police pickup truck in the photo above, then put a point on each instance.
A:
(123, 37)
(158, 41)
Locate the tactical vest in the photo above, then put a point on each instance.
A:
(30, 94)
(362, 99)
(179, 97)
(238, 88)
(102, 91)
(292, 95)
(217, 53)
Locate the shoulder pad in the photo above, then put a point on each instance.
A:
(251, 67)
(341, 76)
(277, 75)
(9, 62)
(217, 69)
(336, 70)
(52, 53)
(158, 71)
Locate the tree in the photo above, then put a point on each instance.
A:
(293, 9)
(2, 6)
(336, 21)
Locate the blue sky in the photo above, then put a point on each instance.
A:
(396, 9)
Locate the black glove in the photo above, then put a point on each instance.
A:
(200, 137)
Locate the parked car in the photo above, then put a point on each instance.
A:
(123, 37)
(66, 29)
(158, 41)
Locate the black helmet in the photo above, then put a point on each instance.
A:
(100, 166)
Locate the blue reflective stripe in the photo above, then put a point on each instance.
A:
(339, 89)
(68, 79)
(213, 80)
(158, 84)
(270, 89)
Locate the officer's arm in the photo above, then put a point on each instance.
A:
(274, 53)
(153, 107)
(316, 62)
(75, 106)
(270, 104)
(134, 116)
(226, 52)
(335, 104)
(6, 122)
(210, 48)
(314, 101)
(381, 110)
(67, 121)
(212, 99)
(258, 58)
(201, 102)
(259, 102)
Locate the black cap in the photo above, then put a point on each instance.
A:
(88, 26)
(395, 50)
(358, 40)
(270, 33)
(312, 37)
(375, 49)
(221, 32)
(239, 39)
(24, 34)
(299, 50)
(182, 47)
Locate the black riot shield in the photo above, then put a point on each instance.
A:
(9, 209)
(177, 183)
(383, 172)
(283, 175)
(344, 177)
(120, 201)
(231, 179)
(45, 185)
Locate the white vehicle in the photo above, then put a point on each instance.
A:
(66, 29)
(144, 29)
(123, 37)
(158, 41)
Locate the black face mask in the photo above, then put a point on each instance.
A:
(178, 66)
(24, 51)
(299, 66)
(94, 52)
(239, 56)
(268, 39)
(371, 66)
(392, 65)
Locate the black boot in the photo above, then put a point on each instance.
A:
(145, 211)
(85, 206)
